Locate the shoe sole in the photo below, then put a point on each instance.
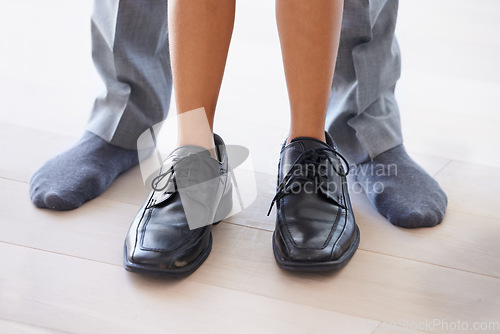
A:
(317, 266)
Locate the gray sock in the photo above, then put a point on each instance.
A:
(401, 190)
(80, 174)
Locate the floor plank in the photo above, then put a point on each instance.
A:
(462, 241)
(81, 296)
(94, 231)
(11, 327)
(394, 329)
(472, 188)
(386, 287)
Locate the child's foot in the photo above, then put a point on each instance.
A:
(315, 226)
(171, 234)
(401, 190)
(80, 174)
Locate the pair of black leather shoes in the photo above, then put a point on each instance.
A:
(315, 227)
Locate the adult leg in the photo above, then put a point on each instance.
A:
(136, 72)
(130, 52)
(363, 117)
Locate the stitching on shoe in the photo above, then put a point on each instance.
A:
(327, 240)
(139, 224)
(342, 234)
(190, 237)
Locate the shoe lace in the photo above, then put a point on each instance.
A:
(312, 159)
(189, 160)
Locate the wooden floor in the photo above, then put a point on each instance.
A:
(62, 271)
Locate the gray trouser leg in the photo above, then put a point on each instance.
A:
(363, 116)
(130, 52)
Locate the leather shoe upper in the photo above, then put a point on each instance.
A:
(172, 228)
(315, 222)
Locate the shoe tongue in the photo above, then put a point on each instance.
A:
(296, 147)
(184, 151)
(191, 157)
(307, 143)
(181, 152)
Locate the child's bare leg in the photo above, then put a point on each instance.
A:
(309, 33)
(200, 33)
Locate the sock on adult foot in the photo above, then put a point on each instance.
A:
(80, 174)
(401, 190)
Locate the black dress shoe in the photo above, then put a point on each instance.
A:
(170, 236)
(315, 226)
